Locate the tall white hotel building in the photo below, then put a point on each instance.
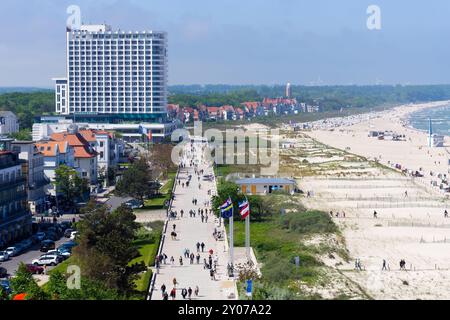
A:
(114, 76)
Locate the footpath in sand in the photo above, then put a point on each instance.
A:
(191, 230)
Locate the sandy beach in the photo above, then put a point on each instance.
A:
(410, 221)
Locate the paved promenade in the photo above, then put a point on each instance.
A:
(191, 230)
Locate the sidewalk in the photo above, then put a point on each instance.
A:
(190, 231)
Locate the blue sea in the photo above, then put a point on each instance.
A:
(440, 118)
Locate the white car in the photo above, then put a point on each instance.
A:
(12, 251)
(63, 254)
(46, 260)
(4, 256)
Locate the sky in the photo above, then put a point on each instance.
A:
(320, 42)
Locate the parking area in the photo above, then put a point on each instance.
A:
(30, 249)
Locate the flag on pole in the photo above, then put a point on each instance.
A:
(244, 209)
(226, 209)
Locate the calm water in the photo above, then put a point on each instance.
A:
(440, 118)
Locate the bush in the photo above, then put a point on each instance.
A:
(308, 222)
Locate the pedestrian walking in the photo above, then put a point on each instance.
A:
(197, 290)
(198, 246)
(163, 289)
(384, 265)
(184, 293)
(189, 293)
(203, 246)
(173, 294)
(181, 261)
(172, 260)
(198, 258)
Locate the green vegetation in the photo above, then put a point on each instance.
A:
(28, 105)
(277, 238)
(70, 186)
(165, 193)
(329, 98)
(106, 247)
(137, 181)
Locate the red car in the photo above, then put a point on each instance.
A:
(35, 269)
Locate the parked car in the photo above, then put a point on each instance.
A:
(134, 204)
(51, 236)
(6, 286)
(34, 269)
(47, 245)
(4, 256)
(12, 251)
(46, 260)
(65, 251)
(26, 244)
(56, 230)
(3, 272)
(69, 244)
(68, 232)
(40, 236)
(63, 254)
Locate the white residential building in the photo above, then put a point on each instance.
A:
(114, 73)
(33, 168)
(8, 123)
(55, 153)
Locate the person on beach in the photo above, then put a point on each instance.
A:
(384, 265)
(375, 214)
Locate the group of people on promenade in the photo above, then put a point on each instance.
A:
(203, 211)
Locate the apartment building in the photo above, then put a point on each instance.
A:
(15, 219)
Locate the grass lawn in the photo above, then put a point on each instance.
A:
(166, 190)
(276, 241)
(148, 248)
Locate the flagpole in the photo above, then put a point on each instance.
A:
(231, 240)
(247, 236)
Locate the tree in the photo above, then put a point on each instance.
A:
(24, 282)
(106, 247)
(227, 189)
(22, 135)
(70, 185)
(89, 290)
(161, 160)
(135, 181)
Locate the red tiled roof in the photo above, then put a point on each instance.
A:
(78, 142)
